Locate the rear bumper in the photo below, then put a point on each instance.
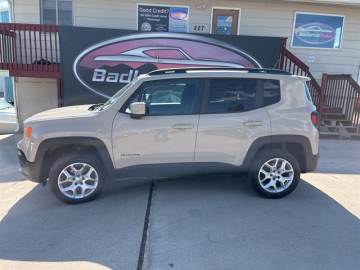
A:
(311, 163)
(30, 170)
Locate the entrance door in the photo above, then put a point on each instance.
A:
(225, 21)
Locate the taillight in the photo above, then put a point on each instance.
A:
(315, 118)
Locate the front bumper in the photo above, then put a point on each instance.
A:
(31, 170)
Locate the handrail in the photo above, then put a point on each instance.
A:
(30, 50)
(291, 63)
(342, 92)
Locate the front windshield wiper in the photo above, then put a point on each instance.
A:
(93, 107)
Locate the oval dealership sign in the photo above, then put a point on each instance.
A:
(107, 66)
(315, 33)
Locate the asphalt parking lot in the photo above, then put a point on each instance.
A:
(210, 222)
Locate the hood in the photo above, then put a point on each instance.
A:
(61, 113)
(9, 110)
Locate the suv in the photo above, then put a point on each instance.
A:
(174, 122)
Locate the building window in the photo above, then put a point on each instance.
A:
(56, 12)
(316, 30)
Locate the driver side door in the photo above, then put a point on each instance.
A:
(167, 133)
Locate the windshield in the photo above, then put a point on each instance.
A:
(112, 100)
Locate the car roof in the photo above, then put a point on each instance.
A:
(203, 72)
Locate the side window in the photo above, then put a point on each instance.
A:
(57, 12)
(231, 95)
(166, 97)
(240, 95)
(271, 92)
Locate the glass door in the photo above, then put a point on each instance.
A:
(225, 21)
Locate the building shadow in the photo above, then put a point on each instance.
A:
(217, 221)
(108, 231)
(9, 165)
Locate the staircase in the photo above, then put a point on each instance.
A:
(337, 98)
(334, 124)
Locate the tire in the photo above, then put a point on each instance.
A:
(274, 183)
(68, 182)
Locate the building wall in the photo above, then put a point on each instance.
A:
(262, 18)
(266, 18)
(25, 11)
(33, 95)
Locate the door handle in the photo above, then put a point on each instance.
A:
(253, 123)
(183, 126)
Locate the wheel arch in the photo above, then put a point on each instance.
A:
(297, 145)
(51, 149)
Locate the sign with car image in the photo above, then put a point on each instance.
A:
(113, 63)
(313, 30)
(103, 61)
(162, 18)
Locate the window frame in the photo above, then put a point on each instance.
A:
(319, 14)
(198, 96)
(225, 8)
(259, 97)
(56, 12)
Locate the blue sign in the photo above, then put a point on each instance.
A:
(162, 18)
(317, 31)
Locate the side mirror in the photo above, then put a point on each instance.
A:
(137, 109)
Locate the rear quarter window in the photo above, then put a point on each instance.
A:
(271, 92)
(224, 95)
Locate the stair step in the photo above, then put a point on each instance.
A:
(337, 122)
(329, 134)
(342, 129)
(334, 126)
(332, 110)
(333, 116)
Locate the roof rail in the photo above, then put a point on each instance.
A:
(249, 70)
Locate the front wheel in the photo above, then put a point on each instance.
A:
(76, 178)
(275, 174)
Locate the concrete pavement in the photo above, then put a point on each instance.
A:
(210, 222)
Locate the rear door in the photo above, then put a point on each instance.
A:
(232, 117)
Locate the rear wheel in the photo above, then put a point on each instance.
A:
(76, 178)
(275, 173)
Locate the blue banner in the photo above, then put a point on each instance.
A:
(317, 31)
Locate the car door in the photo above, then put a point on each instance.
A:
(232, 117)
(167, 133)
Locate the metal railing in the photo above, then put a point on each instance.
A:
(342, 93)
(291, 63)
(30, 50)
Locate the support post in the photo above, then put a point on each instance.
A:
(58, 85)
(323, 88)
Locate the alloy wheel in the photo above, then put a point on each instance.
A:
(78, 180)
(276, 175)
